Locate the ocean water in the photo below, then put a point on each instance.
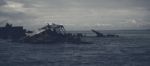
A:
(132, 48)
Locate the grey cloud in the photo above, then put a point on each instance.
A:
(91, 12)
(2, 2)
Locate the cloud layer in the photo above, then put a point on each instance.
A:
(78, 14)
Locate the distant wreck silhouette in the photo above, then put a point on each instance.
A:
(53, 33)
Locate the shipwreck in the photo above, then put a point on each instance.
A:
(51, 33)
(54, 34)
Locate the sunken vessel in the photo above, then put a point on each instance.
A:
(53, 33)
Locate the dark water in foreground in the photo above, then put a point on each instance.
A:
(131, 49)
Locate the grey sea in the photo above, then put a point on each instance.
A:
(132, 48)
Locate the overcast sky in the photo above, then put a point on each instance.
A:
(78, 14)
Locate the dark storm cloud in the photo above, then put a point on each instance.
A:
(103, 14)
